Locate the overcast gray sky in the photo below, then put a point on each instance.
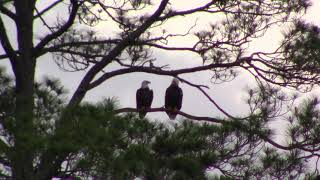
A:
(230, 96)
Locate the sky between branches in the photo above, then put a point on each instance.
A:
(230, 96)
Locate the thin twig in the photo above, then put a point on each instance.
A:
(200, 87)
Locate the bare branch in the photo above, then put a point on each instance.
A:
(39, 14)
(160, 72)
(109, 14)
(44, 22)
(59, 32)
(209, 119)
(82, 88)
(7, 12)
(58, 47)
(161, 109)
(6, 43)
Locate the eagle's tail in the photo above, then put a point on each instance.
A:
(142, 114)
(171, 115)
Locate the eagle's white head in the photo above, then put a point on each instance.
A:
(175, 81)
(145, 83)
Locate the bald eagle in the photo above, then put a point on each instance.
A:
(144, 97)
(173, 99)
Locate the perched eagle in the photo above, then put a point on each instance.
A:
(144, 97)
(173, 99)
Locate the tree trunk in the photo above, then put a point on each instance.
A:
(22, 154)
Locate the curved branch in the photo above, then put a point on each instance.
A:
(209, 119)
(44, 22)
(3, 56)
(83, 86)
(160, 72)
(65, 27)
(162, 109)
(7, 12)
(80, 53)
(83, 43)
(58, 47)
(5, 42)
(191, 49)
(209, 98)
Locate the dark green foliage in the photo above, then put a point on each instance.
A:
(303, 46)
(305, 125)
(280, 165)
(44, 135)
(97, 143)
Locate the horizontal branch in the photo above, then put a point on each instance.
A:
(80, 53)
(116, 51)
(160, 72)
(5, 42)
(81, 43)
(169, 48)
(162, 109)
(200, 88)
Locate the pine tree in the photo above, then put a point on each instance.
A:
(43, 135)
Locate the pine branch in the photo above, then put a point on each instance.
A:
(214, 120)
(159, 72)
